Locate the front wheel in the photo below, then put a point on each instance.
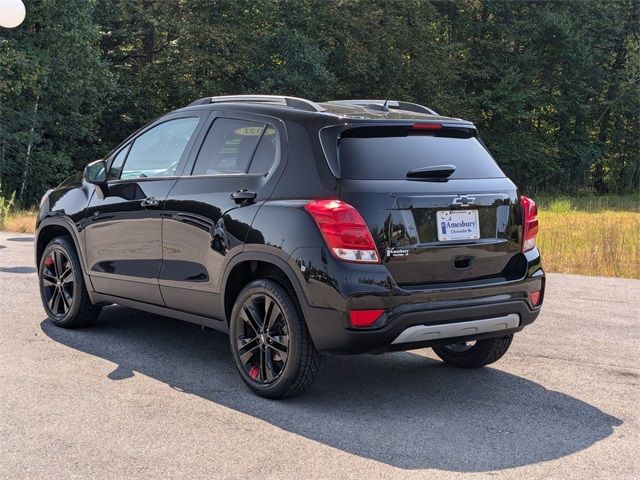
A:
(270, 342)
(62, 289)
(474, 354)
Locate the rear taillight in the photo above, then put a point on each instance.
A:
(529, 223)
(344, 230)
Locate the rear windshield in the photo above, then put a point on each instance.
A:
(390, 158)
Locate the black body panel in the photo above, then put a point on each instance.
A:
(181, 256)
(402, 218)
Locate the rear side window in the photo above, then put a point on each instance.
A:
(390, 158)
(236, 146)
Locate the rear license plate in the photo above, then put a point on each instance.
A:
(458, 225)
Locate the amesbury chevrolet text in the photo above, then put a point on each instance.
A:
(353, 226)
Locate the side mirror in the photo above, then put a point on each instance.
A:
(96, 173)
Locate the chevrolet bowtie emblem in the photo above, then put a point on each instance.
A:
(464, 201)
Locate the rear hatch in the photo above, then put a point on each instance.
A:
(438, 206)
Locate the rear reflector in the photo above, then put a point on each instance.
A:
(535, 298)
(529, 223)
(364, 318)
(344, 230)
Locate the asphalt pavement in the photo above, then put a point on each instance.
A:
(143, 396)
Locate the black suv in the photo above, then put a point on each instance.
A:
(355, 226)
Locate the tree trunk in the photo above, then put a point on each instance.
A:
(29, 148)
(2, 157)
(149, 38)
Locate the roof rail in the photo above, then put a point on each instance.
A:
(293, 102)
(392, 104)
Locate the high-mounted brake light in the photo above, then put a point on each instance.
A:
(426, 127)
(344, 230)
(529, 223)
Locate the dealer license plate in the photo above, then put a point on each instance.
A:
(458, 225)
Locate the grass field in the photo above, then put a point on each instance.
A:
(583, 235)
(603, 243)
(22, 221)
(591, 235)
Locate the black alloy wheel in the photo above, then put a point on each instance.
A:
(263, 339)
(58, 281)
(269, 340)
(62, 288)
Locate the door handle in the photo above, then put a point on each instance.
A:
(243, 196)
(150, 202)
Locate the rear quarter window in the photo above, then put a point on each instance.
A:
(390, 158)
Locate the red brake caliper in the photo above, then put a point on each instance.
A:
(48, 262)
(254, 372)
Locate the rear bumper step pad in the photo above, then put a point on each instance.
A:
(421, 333)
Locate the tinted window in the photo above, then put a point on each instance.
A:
(158, 151)
(265, 155)
(116, 165)
(228, 147)
(380, 158)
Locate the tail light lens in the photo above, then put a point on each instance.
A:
(529, 223)
(344, 230)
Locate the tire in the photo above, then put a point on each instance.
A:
(482, 353)
(270, 343)
(62, 288)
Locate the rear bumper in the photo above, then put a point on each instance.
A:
(330, 335)
(420, 318)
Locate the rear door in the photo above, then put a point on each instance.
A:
(439, 208)
(209, 212)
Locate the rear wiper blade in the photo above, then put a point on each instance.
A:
(435, 172)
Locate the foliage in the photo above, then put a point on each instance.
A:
(6, 204)
(553, 86)
(53, 88)
(20, 221)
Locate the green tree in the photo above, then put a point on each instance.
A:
(53, 87)
(554, 87)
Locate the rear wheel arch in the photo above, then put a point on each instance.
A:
(245, 268)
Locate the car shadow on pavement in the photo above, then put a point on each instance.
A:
(401, 409)
(17, 269)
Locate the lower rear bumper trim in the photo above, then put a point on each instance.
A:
(422, 333)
